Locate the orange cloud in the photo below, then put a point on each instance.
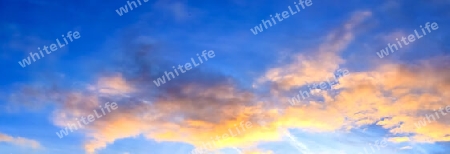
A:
(393, 96)
(321, 62)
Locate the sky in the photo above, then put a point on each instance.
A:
(316, 82)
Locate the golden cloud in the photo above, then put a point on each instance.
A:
(393, 96)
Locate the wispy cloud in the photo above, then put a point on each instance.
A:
(20, 141)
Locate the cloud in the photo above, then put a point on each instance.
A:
(399, 139)
(20, 141)
(195, 111)
(184, 116)
(179, 10)
(393, 96)
(114, 85)
(406, 148)
(197, 107)
(367, 98)
(189, 109)
(322, 61)
(204, 104)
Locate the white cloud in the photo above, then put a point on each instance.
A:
(20, 141)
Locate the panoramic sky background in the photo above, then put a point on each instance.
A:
(252, 78)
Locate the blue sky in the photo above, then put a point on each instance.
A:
(251, 78)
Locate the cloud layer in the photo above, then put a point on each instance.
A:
(204, 104)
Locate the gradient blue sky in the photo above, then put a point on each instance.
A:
(250, 78)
